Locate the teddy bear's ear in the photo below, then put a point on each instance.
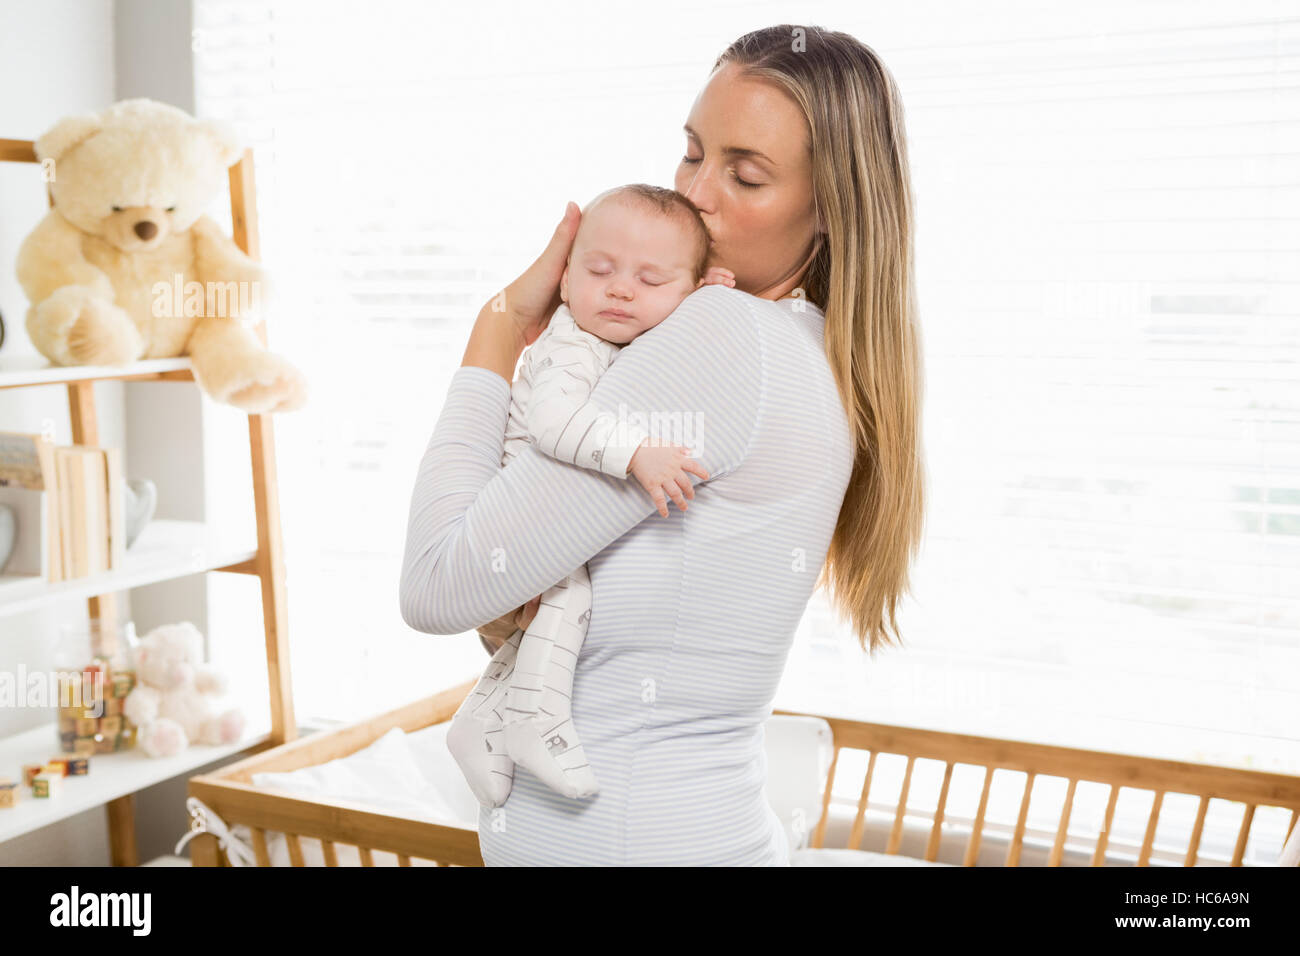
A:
(227, 140)
(65, 134)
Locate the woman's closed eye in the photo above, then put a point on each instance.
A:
(687, 159)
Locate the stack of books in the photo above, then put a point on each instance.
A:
(70, 506)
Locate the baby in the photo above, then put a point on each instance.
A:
(640, 250)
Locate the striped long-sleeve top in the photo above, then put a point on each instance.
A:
(693, 614)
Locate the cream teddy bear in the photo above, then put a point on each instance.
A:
(126, 265)
(174, 701)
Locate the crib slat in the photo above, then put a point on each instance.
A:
(1195, 842)
(1295, 815)
(1013, 852)
(1145, 856)
(259, 847)
(1058, 848)
(331, 858)
(295, 849)
(366, 858)
(855, 835)
(1099, 854)
(973, 847)
(896, 833)
(932, 848)
(1239, 851)
(403, 860)
(440, 863)
(820, 832)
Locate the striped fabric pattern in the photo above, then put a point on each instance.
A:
(548, 401)
(693, 614)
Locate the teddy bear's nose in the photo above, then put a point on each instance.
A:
(146, 230)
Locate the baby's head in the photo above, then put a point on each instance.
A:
(640, 250)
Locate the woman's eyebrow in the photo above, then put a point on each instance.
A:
(739, 151)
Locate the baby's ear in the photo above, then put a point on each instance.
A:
(564, 285)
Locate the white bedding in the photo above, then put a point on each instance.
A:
(405, 774)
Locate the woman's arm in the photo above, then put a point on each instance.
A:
(482, 540)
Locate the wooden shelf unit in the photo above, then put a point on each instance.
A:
(197, 550)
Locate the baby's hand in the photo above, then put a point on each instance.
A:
(661, 468)
(716, 275)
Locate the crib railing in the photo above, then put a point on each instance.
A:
(230, 793)
(1252, 789)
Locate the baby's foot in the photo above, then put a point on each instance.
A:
(476, 738)
(549, 747)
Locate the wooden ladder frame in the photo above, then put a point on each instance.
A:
(267, 564)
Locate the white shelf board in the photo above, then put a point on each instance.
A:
(16, 370)
(165, 550)
(110, 775)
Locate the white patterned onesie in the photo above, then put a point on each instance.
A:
(519, 711)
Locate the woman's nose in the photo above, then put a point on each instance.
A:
(700, 190)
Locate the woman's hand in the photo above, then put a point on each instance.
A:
(495, 633)
(534, 296)
(513, 319)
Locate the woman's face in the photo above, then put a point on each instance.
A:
(748, 168)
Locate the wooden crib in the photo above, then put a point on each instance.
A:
(230, 793)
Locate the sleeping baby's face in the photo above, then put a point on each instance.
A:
(630, 267)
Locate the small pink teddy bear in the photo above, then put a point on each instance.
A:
(174, 702)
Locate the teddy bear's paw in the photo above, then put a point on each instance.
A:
(141, 706)
(279, 387)
(104, 335)
(229, 726)
(164, 738)
(223, 728)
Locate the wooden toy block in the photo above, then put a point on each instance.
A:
(30, 770)
(123, 683)
(114, 706)
(78, 767)
(68, 742)
(105, 744)
(110, 726)
(67, 723)
(57, 765)
(8, 792)
(86, 727)
(47, 785)
(84, 747)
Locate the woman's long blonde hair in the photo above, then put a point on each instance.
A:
(862, 276)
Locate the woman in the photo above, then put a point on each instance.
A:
(803, 388)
